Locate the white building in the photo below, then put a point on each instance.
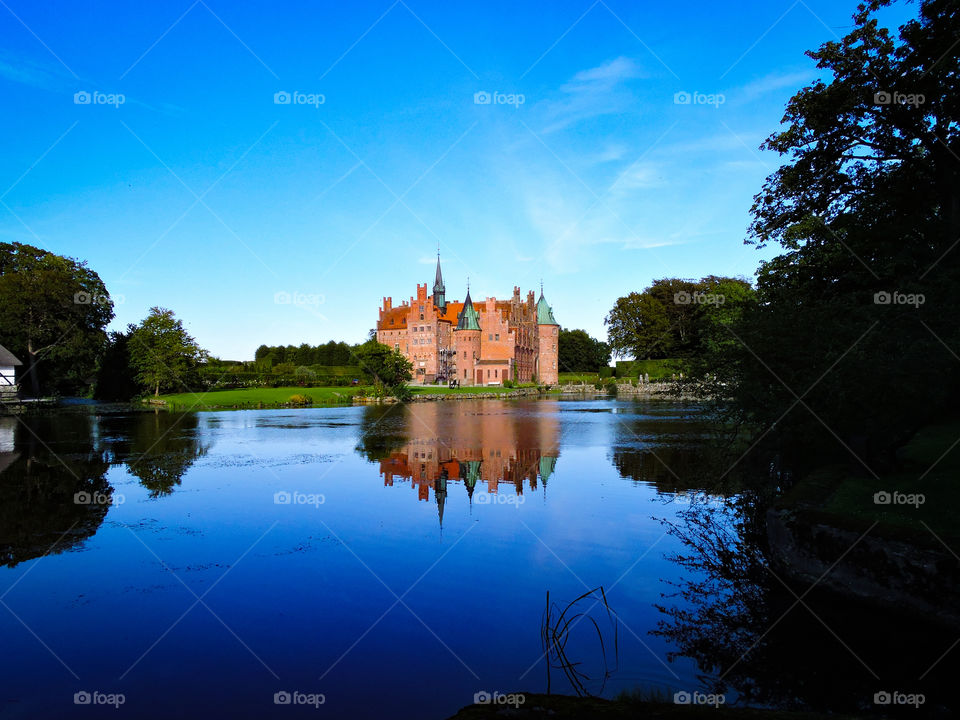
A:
(8, 364)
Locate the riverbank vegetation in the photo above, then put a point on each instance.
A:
(847, 347)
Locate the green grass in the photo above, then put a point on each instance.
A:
(835, 492)
(255, 397)
(275, 397)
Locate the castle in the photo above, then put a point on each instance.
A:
(499, 340)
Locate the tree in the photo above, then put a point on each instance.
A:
(858, 315)
(53, 315)
(674, 317)
(638, 325)
(116, 378)
(163, 353)
(389, 368)
(578, 352)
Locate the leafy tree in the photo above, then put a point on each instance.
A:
(389, 368)
(638, 325)
(578, 352)
(116, 379)
(866, 208)
(163, 352)
(674, 318)
(53, 315)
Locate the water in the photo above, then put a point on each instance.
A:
(394, 560)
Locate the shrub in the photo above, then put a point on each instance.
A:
(300, 400)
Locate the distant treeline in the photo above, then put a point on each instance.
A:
(331, 353)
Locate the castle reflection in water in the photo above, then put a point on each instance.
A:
(488, 449)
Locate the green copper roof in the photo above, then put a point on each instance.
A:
(470, 472)
(544, 312)
(438, 282)
(547, 465)
(468, 318)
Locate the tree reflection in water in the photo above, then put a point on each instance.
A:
(39, 484)
(162, 447)
(736, 617)
(46, 460)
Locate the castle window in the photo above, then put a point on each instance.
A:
(497, 336)
(464, 372)
(396, 346)
(421, 316)
(464, 354)
(490, 336)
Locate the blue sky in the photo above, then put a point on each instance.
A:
(201, 193)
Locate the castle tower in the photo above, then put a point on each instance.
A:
(466, 342)
(439, 291)
(548, 332)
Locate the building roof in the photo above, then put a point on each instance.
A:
(7, 358)
(544, 312)
(438, 283)
(468, 319)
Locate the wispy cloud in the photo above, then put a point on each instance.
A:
(591, 93)
(770, 83)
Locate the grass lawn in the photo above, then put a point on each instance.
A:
(254, 397)
(273, 397)
(929, 455)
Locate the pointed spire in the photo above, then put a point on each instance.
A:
(468, 318)
(438, 282)
(439, 291)
(544, 311)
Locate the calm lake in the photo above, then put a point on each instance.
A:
(395, 560)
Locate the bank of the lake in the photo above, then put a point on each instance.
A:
(560, 707)
(268, 397)
(899, 528)
(294, 396)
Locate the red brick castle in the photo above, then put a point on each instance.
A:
(499, 340)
